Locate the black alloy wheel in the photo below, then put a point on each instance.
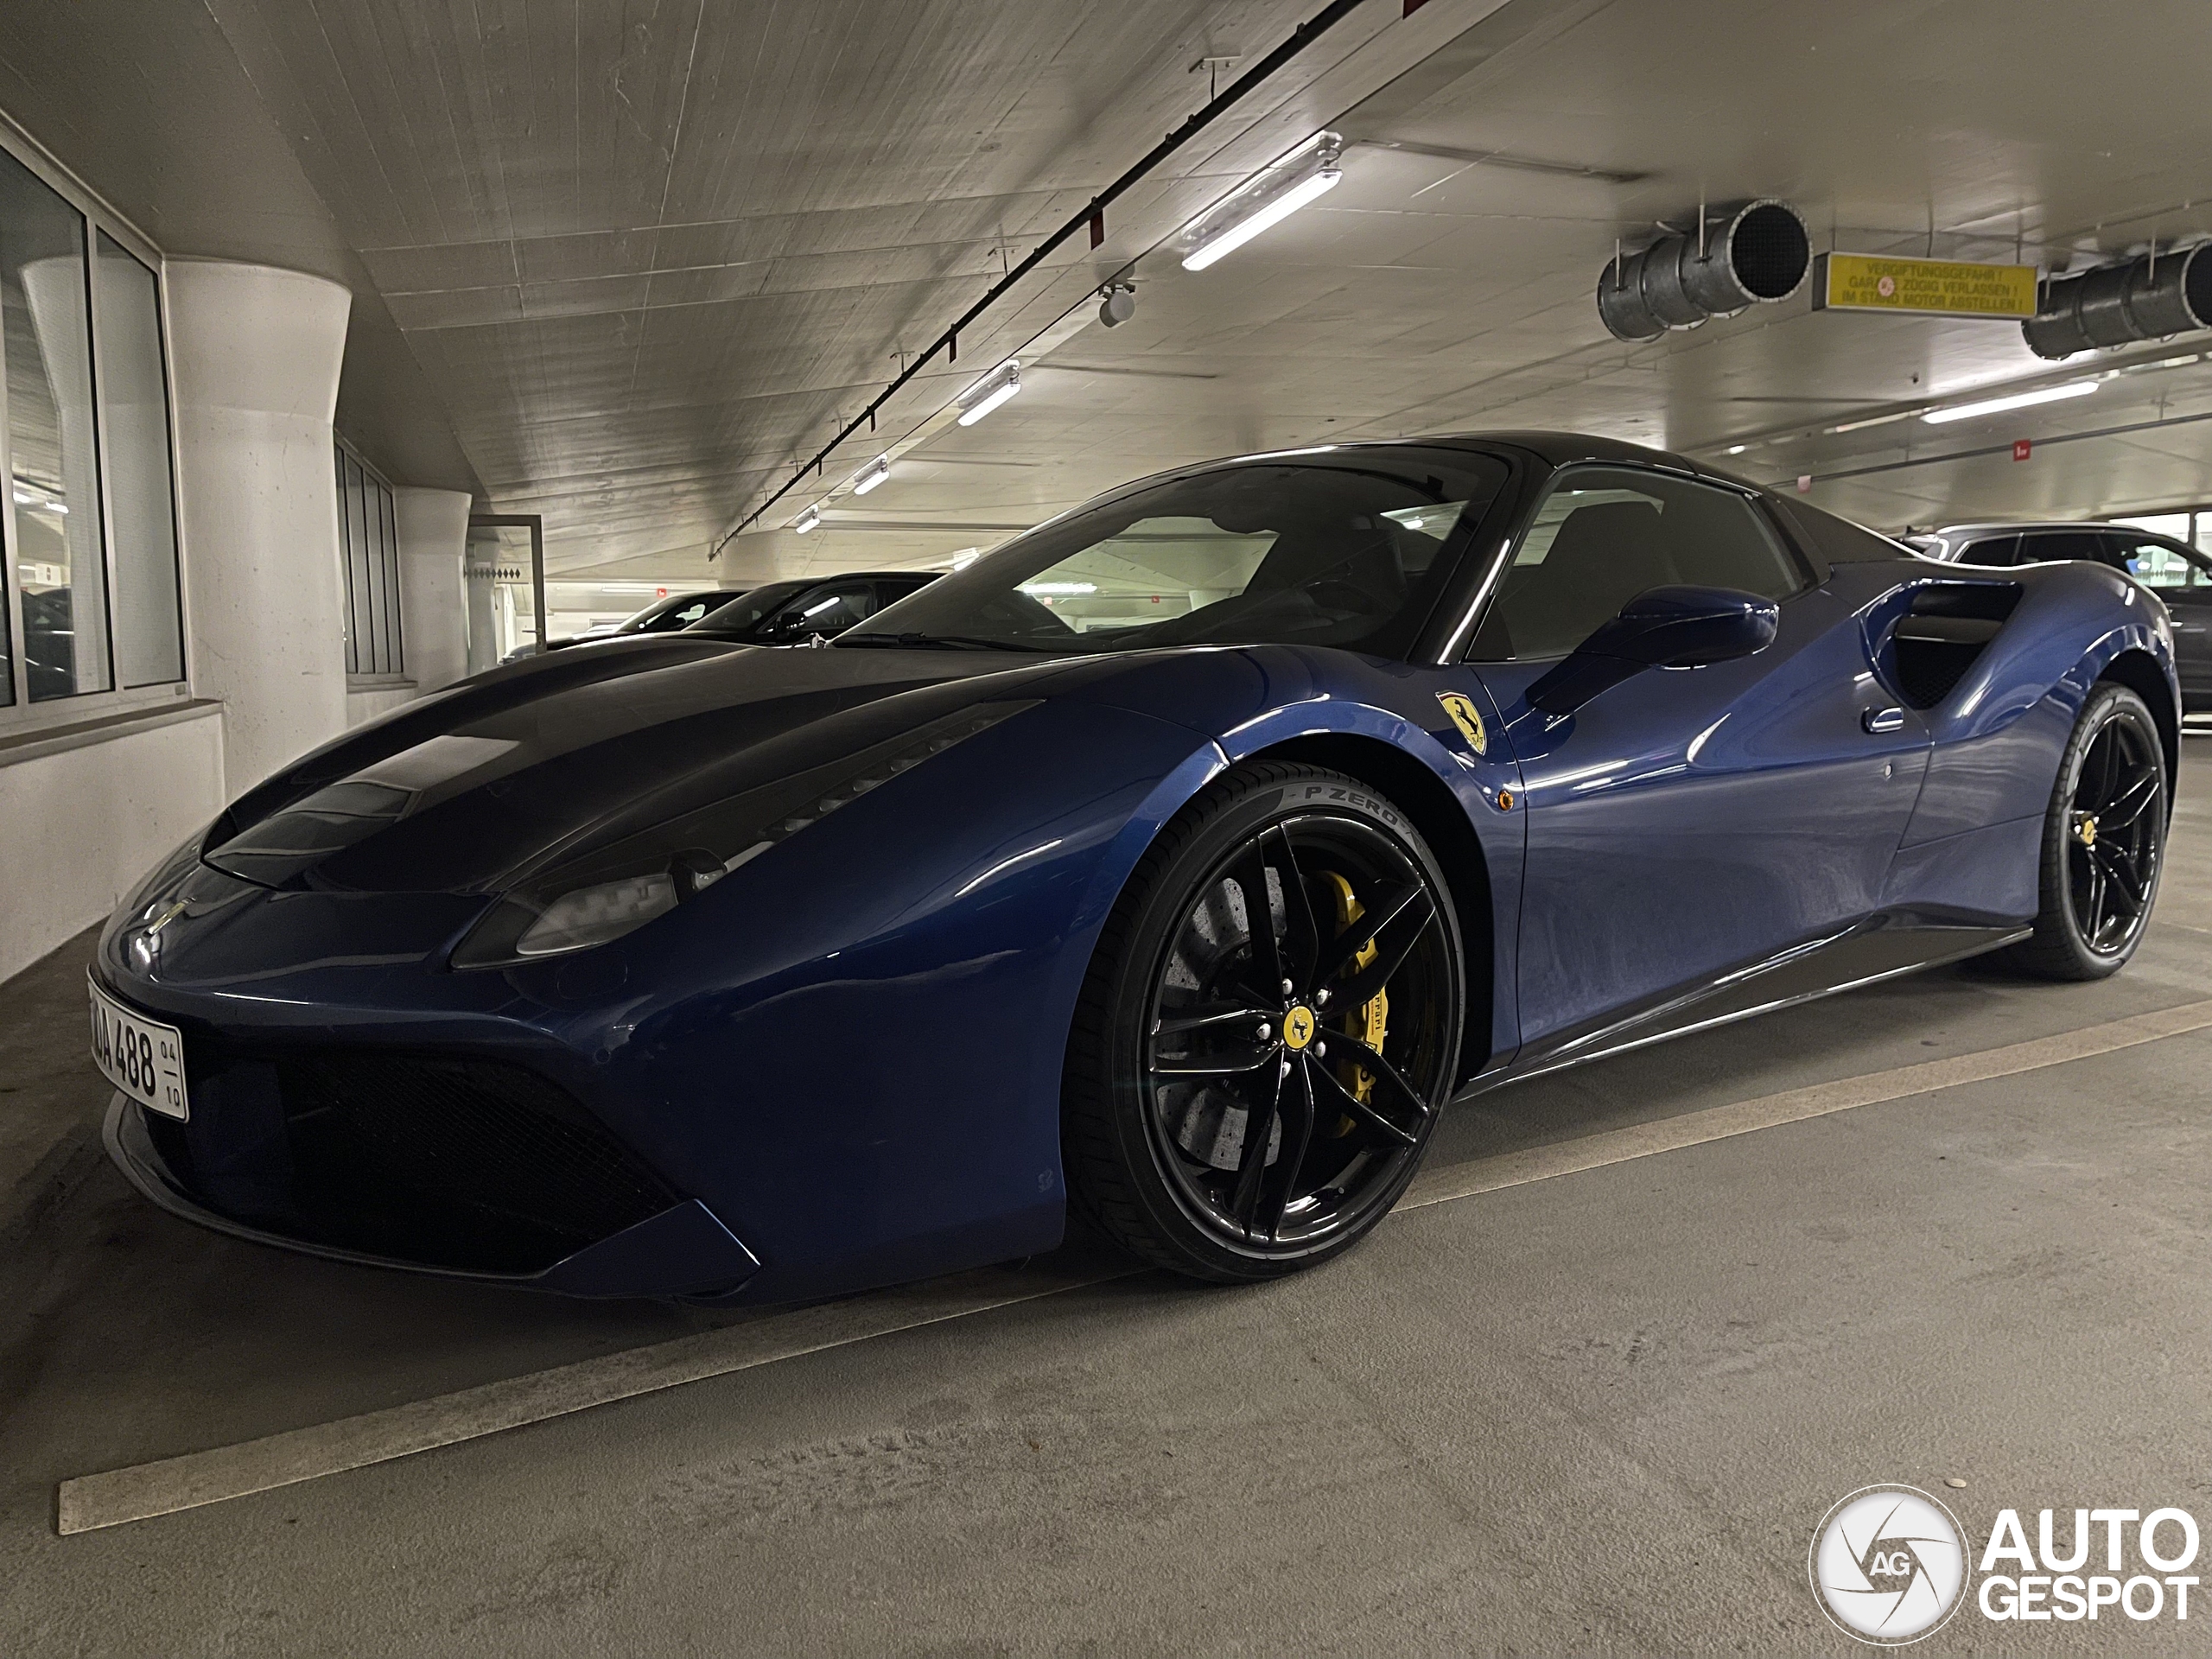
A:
(2104, 838)
(1269, 1030)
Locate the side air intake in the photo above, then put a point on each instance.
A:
(1950, 624)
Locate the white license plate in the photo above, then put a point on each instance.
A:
(142, 1057)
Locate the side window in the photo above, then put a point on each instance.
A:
(2156, 565)
(1991, 551)
(2045, 546)
(1604, 535)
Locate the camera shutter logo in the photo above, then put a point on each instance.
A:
(1889, 1565)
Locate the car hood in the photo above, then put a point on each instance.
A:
(462, 792)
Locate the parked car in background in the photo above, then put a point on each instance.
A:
(2175, 571)
(793, 611)
(665, 615)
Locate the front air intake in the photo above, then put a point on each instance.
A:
(460, 1163)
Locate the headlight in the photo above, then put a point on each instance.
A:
(599, 895)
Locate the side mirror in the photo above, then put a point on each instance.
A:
(1661, 627)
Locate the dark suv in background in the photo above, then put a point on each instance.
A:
(2175, 571)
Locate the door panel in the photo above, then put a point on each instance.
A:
(1691, 821)
(1688, 822)
(2182, 577)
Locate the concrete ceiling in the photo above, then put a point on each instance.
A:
(646, 258)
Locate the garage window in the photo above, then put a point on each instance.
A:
(368, 555)
(90, 606)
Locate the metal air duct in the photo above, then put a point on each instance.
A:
(2116, 305)
(1753, 253)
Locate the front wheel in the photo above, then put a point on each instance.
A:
(2104, 839)
(1269, 1029)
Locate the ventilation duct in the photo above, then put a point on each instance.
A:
(1752, 254)
(2116, 305)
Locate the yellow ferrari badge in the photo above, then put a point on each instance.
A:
(1298, 1028)
(1467, 718)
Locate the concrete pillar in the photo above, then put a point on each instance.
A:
(433, 545)
(256, 352)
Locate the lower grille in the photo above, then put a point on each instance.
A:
(468, 1164)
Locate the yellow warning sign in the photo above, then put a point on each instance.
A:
(1941, 287)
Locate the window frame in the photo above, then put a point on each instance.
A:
(1809, 577)
(23, 717)
(374, 619)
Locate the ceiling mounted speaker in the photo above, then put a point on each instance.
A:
(1752, 254)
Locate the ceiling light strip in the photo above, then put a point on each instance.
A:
(1303, 36)
(2017, 400)
(2005, 448)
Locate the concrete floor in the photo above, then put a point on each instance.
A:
(1596, 1413)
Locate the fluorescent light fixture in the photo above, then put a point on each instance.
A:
(1316, 180)
(988, 393)
(871, 475)
(1874, 420)
(1061, 589)
(1738, 449)
(2017, 400)
(810, 520)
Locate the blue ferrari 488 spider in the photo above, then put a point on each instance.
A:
(1180, 859)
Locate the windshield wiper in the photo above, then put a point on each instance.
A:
(933, 642)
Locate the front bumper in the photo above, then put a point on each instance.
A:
(684, 1251)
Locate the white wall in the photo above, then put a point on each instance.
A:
(256, 353)
(433, 528)
(86, 823)
(367, 702)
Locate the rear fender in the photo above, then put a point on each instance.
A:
(1999, 734)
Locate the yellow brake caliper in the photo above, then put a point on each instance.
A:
(1369, 1023)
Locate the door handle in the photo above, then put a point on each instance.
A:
(1883, 720)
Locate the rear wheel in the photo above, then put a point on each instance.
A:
(1267, 1030)
(2103, 841)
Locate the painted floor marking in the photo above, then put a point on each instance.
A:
(145, 1491)
(1796, 1105)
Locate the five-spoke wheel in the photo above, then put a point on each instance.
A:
(2102, 842)
(1269, 1030)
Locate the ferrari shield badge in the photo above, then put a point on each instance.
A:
(1467, 718)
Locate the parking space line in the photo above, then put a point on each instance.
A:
(1796, 1105)
(145, 1491)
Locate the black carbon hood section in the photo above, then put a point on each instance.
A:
(456, 793)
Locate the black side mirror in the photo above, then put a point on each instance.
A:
(1661, 627)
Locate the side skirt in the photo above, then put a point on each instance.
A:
(1887, 946)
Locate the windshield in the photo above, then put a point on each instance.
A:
(748, 610)
(1349, 551)
(675, 610)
